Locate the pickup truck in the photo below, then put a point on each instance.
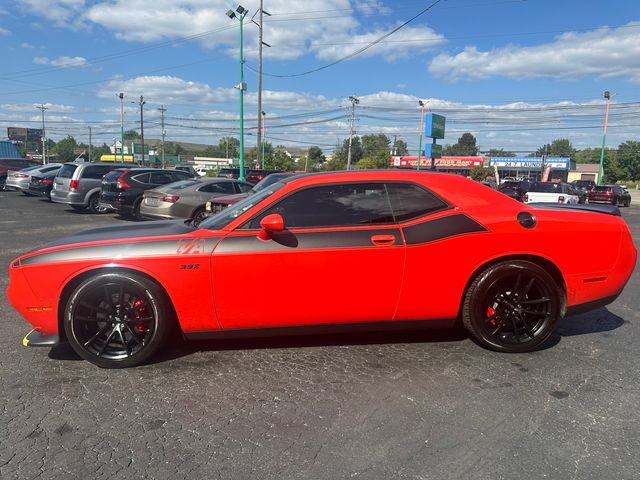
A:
(550, 192)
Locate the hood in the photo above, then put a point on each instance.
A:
(117, 232)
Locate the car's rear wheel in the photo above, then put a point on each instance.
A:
(199, 215)
(94, 204)
(512, 306)
(117, 320)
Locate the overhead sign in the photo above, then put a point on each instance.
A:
(432, 150)
(434, 125)
(19, 134)
(443, 162)
(530, 163)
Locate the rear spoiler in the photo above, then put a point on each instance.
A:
(607, 209)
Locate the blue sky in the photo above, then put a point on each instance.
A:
(517, 73)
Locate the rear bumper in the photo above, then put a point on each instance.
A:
(69, 198)
(37, 339)
(12, 184)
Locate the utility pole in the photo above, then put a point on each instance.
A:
(354, 101)
(89, 142)
(608, 96)
(242, 86)
(141, 102)
(121, 97)
(422, 107)
(163, 133)
(42, 108)
(260, 145)
(264, 130)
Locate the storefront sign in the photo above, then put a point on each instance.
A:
(524, 163)
(443, 162)
(434, 125)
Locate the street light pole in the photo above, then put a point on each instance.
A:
(422, 107)
(142, 102)
(121, 97)
(241, 13)
(42, 108)
(89, 142)
(263, 139)
(163, 133)
(607, 95)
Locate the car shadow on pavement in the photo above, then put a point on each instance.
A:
(597, 321)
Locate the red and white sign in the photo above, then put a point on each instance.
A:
(460, 162)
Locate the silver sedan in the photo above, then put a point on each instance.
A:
(187, 198)
(19, 180)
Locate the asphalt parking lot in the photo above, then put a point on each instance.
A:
(430, 405)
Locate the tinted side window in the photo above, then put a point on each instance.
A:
(142, 177)
(411, 201)
(66, 171)
(96, 172)
(243, 187)
(222, 187)
(161, 178)
(177, 176)
(333, 205)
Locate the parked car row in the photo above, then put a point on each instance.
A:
(129, 190)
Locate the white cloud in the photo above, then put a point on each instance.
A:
(4, 31)
(605, 52)
(62, 61)
(29, 107)
(27, 45)
(167, 89)
(63, 13)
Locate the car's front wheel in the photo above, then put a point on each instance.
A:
(117, 320)
(512, 306)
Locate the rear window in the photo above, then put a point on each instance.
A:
(546, 188)
(182, 184)
(66, 171)
(112, 176)
(602, 189)
(47, 169)
(411, 201)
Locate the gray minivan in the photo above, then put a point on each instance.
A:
(78, 184)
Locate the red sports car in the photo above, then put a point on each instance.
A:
(370, 249)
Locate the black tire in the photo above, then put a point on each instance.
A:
(199, 215)
(117, 320)
(136, 210)
(79, 208)
(94, 204)
(512, 307)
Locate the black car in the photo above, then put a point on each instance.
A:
(231, 172)
(42, 185)
(255, 175)
(515, 188)
(584, 185)
(122, 188)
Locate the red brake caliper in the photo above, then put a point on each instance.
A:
(491, 311)
(138, 309)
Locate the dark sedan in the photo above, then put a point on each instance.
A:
(41, 185)
(515, 189)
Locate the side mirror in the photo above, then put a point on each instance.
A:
(269, 225)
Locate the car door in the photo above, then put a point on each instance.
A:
(340, 259)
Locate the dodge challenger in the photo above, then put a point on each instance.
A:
(344, 250)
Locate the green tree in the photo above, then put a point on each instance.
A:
(97, 152)
(373, 144)
(230, 144)
(131, 135)
(380, 159)
(400, 148)
(560, 147)
(314, 159)
(499, 152)
(629, 159)
(335, 163)
(281, 161)
(64, 149)
(342, 152)
(466, 146)
(480, 174)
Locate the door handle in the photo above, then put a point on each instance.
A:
(382, 240)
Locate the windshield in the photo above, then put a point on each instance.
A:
(222, 219)
(267, 181)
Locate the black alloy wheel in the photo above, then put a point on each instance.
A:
(116, 320)
(198, 216)
(512, 306)
(94, 204)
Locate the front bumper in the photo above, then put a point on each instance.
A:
(37, 339)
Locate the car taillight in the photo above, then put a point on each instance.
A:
(121, 183)
(46, 181)
(20, 175)
(561, 199)
(170, 198)
(74, 184)
(526, 198)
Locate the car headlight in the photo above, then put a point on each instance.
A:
(207, 207)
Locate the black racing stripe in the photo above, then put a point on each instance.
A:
(288, 240)
(116, 251)
(440, 228)
(117, 232)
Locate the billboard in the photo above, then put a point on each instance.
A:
(18, 134)
(443, 162)
(434, 125)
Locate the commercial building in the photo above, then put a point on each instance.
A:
(585, 171)
(533, 167)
